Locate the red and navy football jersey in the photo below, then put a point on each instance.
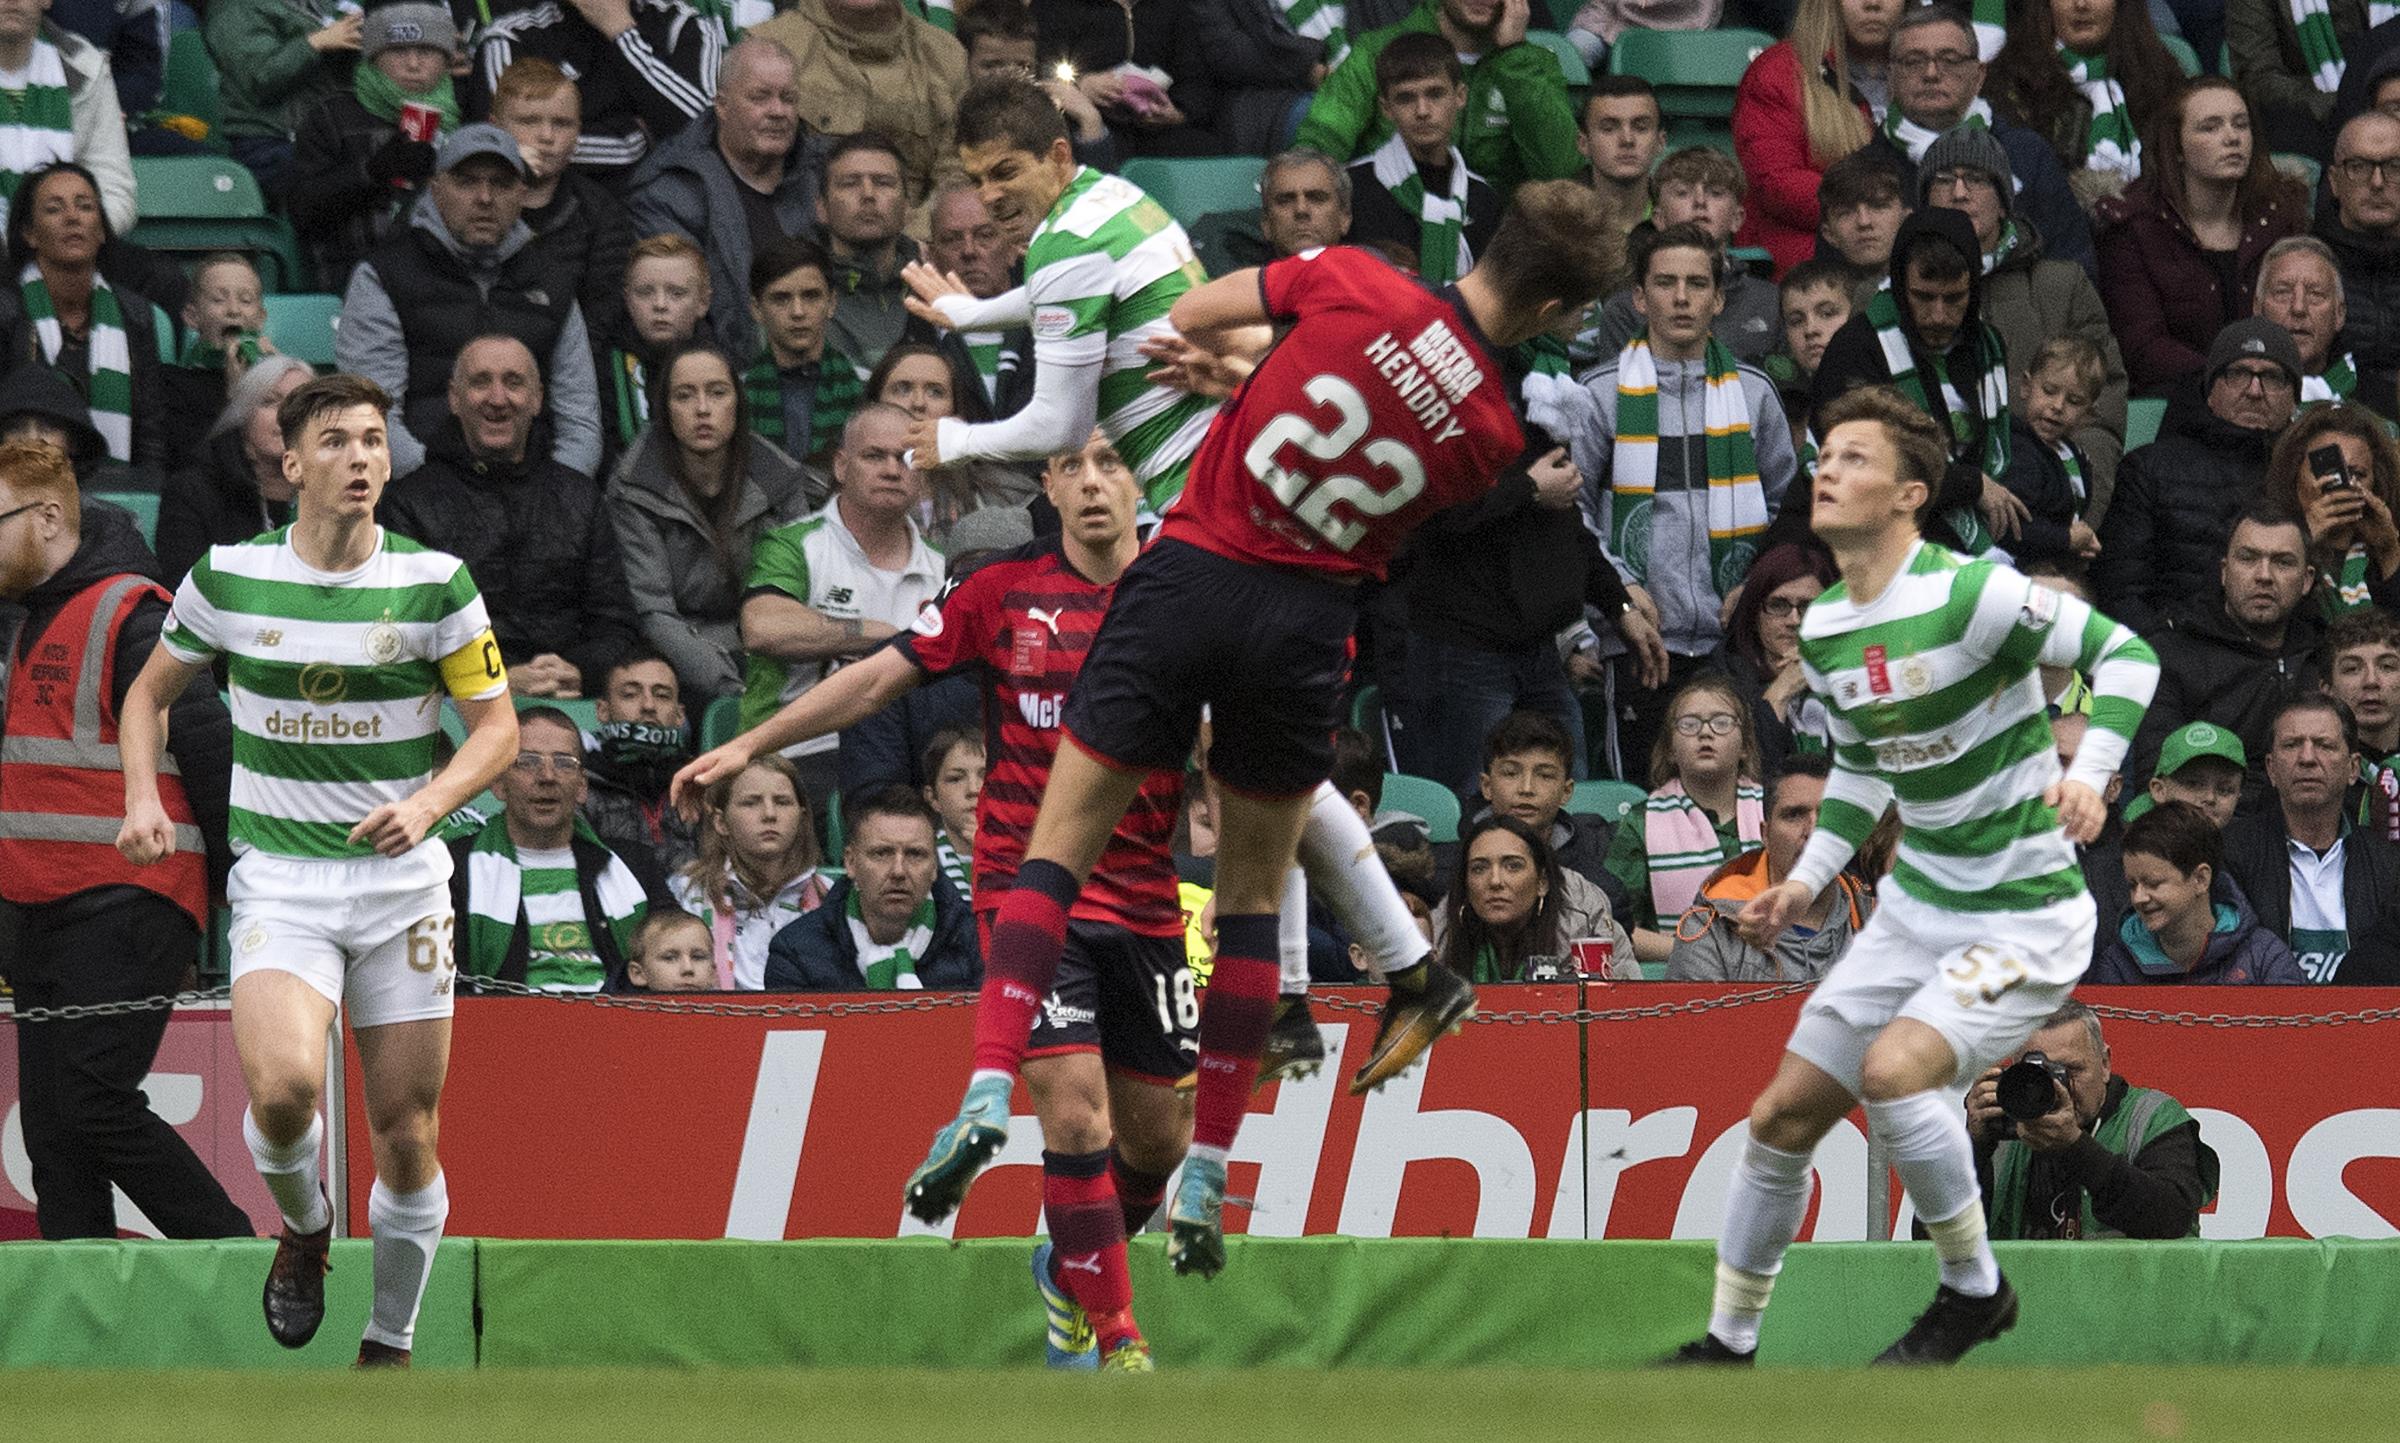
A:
(1024, 622)
(1382, 405)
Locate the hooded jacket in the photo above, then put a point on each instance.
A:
(2258, 860)
(539, 542)
(903, 80)
(689, 601)
(213, 503)
(1751, 325)
(2370, 267)
(685, 187)
(199, 730)
(2032, 298)
(2043, 198)
(37, 390)
(2209, 669)
(2163, 539)
(454, 294)
(2239, 950)
(1854, 357)
(817, 953)
(2166, 296)
(869, 313)
(340, 204)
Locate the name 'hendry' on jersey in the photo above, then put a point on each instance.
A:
(1936, 702)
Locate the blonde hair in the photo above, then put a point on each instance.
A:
(717, 864)
(1835, 128)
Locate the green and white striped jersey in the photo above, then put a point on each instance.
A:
(1101, 272)
(1936, 702)
(336, 681)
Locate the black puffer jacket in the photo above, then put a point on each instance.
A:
(2209, 669)
(2163, 540)
(2370, 266)
(341, 189)
(538, 541)
(213, 503)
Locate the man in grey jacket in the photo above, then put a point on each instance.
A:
(465, 266)
(1647, 490)
(735, 180)
(1708, 943)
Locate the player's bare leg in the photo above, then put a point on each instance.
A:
(1905, 1078)
(1258, 838)
(403, 1065)
(1081, 806)
(280, 1025)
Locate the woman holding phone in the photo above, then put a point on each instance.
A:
(2338, 467)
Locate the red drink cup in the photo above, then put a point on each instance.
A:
(420, 122)
(1593, 954)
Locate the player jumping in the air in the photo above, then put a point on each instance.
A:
(1384, 403)
(1928, 664)
(1119, 1028)
(340, 639)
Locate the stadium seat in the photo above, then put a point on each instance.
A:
(1607, 800)
(191, 82)
(143, 505)
(2305, 168)
(833, 827)
(1419, 796)
(2142, 415)
(1570, 60)
(211, 203)
(721, 722)
(302, 324)
(2183, 52)
(1694, 71)
(162, 325)
(1191, 187)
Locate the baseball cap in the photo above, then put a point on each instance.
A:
(485, 138)
(2200, 739)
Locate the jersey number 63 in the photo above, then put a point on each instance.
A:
(1312, 500)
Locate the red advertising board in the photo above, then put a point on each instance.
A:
(566, 1119)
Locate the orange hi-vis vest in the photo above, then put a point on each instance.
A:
(62, 786)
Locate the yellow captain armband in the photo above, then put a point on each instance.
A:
(473, 672)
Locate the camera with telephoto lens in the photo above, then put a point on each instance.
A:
(2029, 1089)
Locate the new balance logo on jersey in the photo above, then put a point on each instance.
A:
(267, 637)
(1040, 710)
(839, 596)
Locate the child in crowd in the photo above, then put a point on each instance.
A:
(954, 760)
(224, 312)
(666, 305)
(2046, 469)
(361, 156)
(671, 952)
(757, 868)
(1705, 809)
(1815, 299)
(1529, 774)
(1860, 206)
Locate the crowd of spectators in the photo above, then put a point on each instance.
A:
(637, 274)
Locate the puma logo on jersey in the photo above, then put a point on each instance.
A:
(1046, 618)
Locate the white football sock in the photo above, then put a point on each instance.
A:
(292, 1173)
(1339, 855)
(1291, 935)
(1926, 1134)
(1763, 1210)
(408, 1227)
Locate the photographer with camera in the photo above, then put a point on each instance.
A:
(2065, 1149)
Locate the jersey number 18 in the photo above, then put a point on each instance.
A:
(1311, 500)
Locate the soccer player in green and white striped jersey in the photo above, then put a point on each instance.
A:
(340, 639)
(1103, 264)
(1928, 664)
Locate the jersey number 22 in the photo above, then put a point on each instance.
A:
(1311, 500)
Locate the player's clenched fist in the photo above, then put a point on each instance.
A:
(1766, 915)
(698, 774)
(147, 836)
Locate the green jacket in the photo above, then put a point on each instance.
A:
(267, 74)
(1518, 126)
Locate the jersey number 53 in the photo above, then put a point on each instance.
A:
(1313, 500)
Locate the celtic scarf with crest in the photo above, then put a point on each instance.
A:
(504, 894)
(1736, 505)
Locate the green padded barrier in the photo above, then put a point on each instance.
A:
(721, 722)
(195, 1305)
(2183, 52)
(143, 505)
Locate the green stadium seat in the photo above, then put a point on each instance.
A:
(163, 326)
(1610, 801)
(834, 832)
(1420, 796)
(2142, 415)
(1716, 135)
(143, 505)
(1694, 71)
(210, 203)
(1194, 186)
(1366, 709)
(302, 324)
(1570, 60)
(721, 722)
(2305, 167)
(2183, 52)
(191, 81)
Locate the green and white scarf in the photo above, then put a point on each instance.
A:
(2337, 384)
(1991, 29)
(1326, 20)
(2072, 459)
(1914, 138)
(2346, 590)
(2114, 145)
(37, 124)
(502, 892)
(1990, 412)
(1737, 504)
(632, 382)
(110, 361)
(202, 354)
(2320, 48)
(956, 865)
(1442, 253)
(891, 968)
(2011, 236)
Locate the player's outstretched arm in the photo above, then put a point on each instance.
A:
(939, 298)
(1212, 315)
(844, 699)
(147, 834)
(395, 828)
